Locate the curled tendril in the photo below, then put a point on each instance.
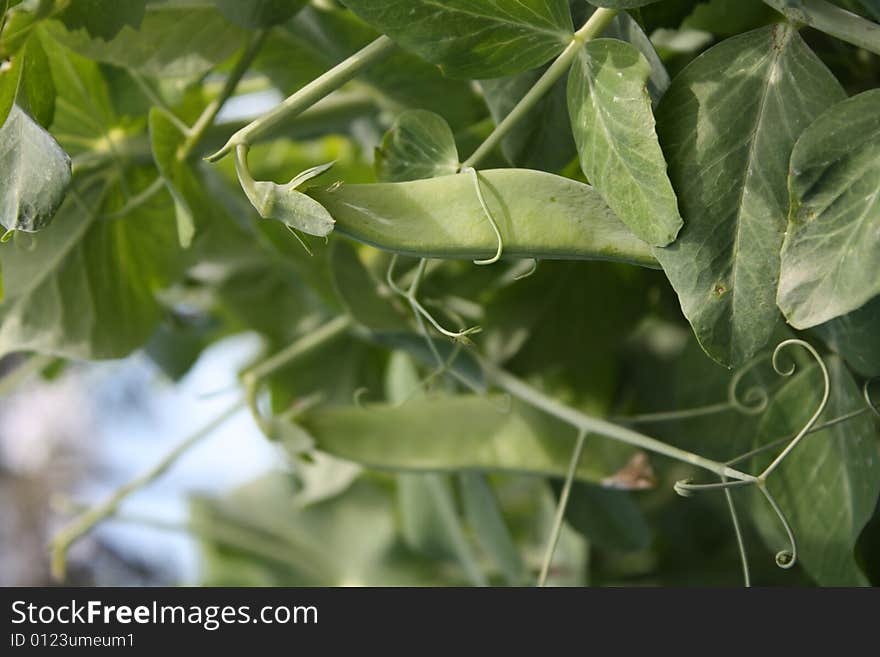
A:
(418, 309)
(826, 393)
(488, 213)
(358, 397)
(530, 272)
(784, 558)
(754, 400)
(686, 488)
(866, 391)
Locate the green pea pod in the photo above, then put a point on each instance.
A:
(539, 215)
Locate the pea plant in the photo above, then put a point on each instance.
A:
(541, 270)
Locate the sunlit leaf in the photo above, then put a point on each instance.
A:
(473, 38)
(727, 125)
(831, 253)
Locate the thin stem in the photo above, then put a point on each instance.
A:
(740, 542)
(670, 416)
(85, 522)
(832, 20)
(560, 507)
(309, 94)
(685, 488)
(593, 27)
(533, 397)
(306, 344)
(206, 119)
(814, 429)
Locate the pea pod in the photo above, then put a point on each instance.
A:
(539, 215)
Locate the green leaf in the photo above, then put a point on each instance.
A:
(36, 174)
(165, 138)
(831, 253)
(538, 214)
(454, 433)
(26, 80)
(320, 37)
(854, 336)
(625, 28)
(259, 13)
(419, 145)
(613, 126)
(828, 485)
(86, 287)
(487, 522)
(473, 38)
(609, 519)
(103, 19)
(727, 125)
(173, 40)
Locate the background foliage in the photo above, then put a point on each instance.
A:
(732, 149)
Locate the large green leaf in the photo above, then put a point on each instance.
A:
(831, 253)
(855, 337)
(727, 125)
(419, 145)
(827, 486)
(613, 126)
(86, 287)
(173, 40)
(538, 214)
(36, 173)
(459, 432)
(473, 38)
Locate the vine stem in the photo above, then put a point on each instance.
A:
(308, 95)
(560, 507)
(83, 524)
(523, 391)
(831, 19)
(592, 28)
(206, 118)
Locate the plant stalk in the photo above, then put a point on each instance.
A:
(85, 522)
(561, 506)
(308, 95)
(523, 391)
(592, 28)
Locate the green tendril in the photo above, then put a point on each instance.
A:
(476, 178)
